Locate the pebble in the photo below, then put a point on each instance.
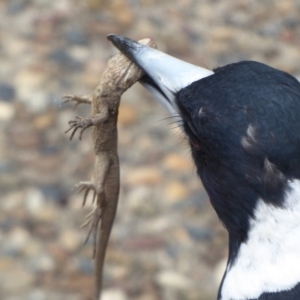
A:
(64, 60)
(219, 271)
(198, 233)
(113, 294)
(79, 53)
(7, 92)
(173, 280)
(28, 80)
(143, 175)
(16, 7)
(137, 197)
(33, 248)
(13, 201)
(35, 202)
(86, 265)
(177, 162)
(44, 120)
(76, 36)
(175, 191)
(70, 239)
(37, 294)
(6, 264)
(9, 282)
(128, 115)
(7, 111)
(42, 263)
(16, 241)
(26, 139)
(38, 208)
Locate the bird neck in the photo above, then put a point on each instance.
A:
(268, 261)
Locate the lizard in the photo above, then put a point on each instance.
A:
(119, 75)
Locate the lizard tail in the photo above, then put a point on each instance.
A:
(104, 229)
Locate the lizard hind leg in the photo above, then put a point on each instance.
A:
(94, 217)
(87, 186)
(92, 220)
(101, 169)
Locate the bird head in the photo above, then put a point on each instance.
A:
(242, 122)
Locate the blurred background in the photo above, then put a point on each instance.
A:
(167, 242)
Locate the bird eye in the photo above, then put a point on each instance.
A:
(196, 145)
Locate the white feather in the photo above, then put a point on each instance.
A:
(270, 259)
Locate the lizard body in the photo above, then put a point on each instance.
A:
(118, 76)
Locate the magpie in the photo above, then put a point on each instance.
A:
(242, 122)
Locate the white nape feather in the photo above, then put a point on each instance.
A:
(249, 140)
(269, 260)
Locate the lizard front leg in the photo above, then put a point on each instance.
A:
(77, 99)
(85, 123)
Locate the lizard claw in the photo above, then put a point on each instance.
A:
(87, 186)
(80, 122)
(77, 99)
(93, 219)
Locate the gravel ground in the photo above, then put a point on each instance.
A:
(167, 242)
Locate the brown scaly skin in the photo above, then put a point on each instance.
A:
(119, 75)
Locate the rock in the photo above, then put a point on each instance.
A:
(16, 7)
(127, 114)
(6, 111)
(144, 243)
(222, 33)
(34, 202)
(6, 264)
(11, 282)
(179, 163)
(33, 249)
(220, 270)
(58, 253)
(86, 265)
(70, 239)
(113, 294)
(76, 36)
(173, 280)
(48, 214)
(64, 60)
(175, 191)
(143, 175)
(29, 80)
(16, 241)
(38, 208)
(24, 136)
(121, 12)
(137, 197)
(12, 201)
(79, 53)
(140, 201)
(7, 92)
(37, 294)
(44, 121)
(42, 263)
(198, 233)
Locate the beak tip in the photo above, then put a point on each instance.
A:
(127, 46)
(114, 38)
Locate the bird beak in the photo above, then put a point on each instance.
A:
(165, 75)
